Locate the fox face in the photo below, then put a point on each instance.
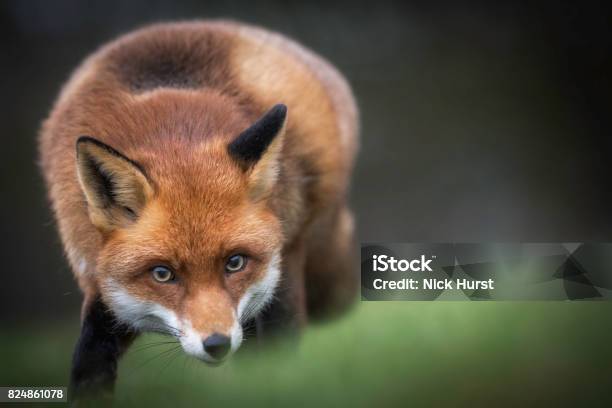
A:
(191, 247)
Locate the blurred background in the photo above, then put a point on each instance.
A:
(480, 122)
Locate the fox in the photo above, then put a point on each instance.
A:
(199, 173)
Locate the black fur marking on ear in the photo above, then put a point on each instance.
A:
(251, 144)
(103, 182)
(89, 139)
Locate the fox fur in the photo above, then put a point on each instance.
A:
(138, 159)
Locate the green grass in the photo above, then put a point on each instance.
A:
(380, 354)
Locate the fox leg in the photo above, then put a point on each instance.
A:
(101, 343)
(331, 265)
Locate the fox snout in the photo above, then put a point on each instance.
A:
(211, 332)
(211, 348)
(217, 346)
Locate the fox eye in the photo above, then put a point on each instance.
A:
(235, 263)
(162, 274)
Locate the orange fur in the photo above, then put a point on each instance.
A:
(170, 98)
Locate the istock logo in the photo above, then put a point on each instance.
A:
(384, 263)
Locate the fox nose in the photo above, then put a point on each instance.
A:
(217, 345)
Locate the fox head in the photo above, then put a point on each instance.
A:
(193, 252)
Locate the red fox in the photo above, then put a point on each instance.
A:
(198, 173)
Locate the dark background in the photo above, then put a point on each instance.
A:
(480, 122)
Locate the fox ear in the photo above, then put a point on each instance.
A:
(257, 150)
(115, 187)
